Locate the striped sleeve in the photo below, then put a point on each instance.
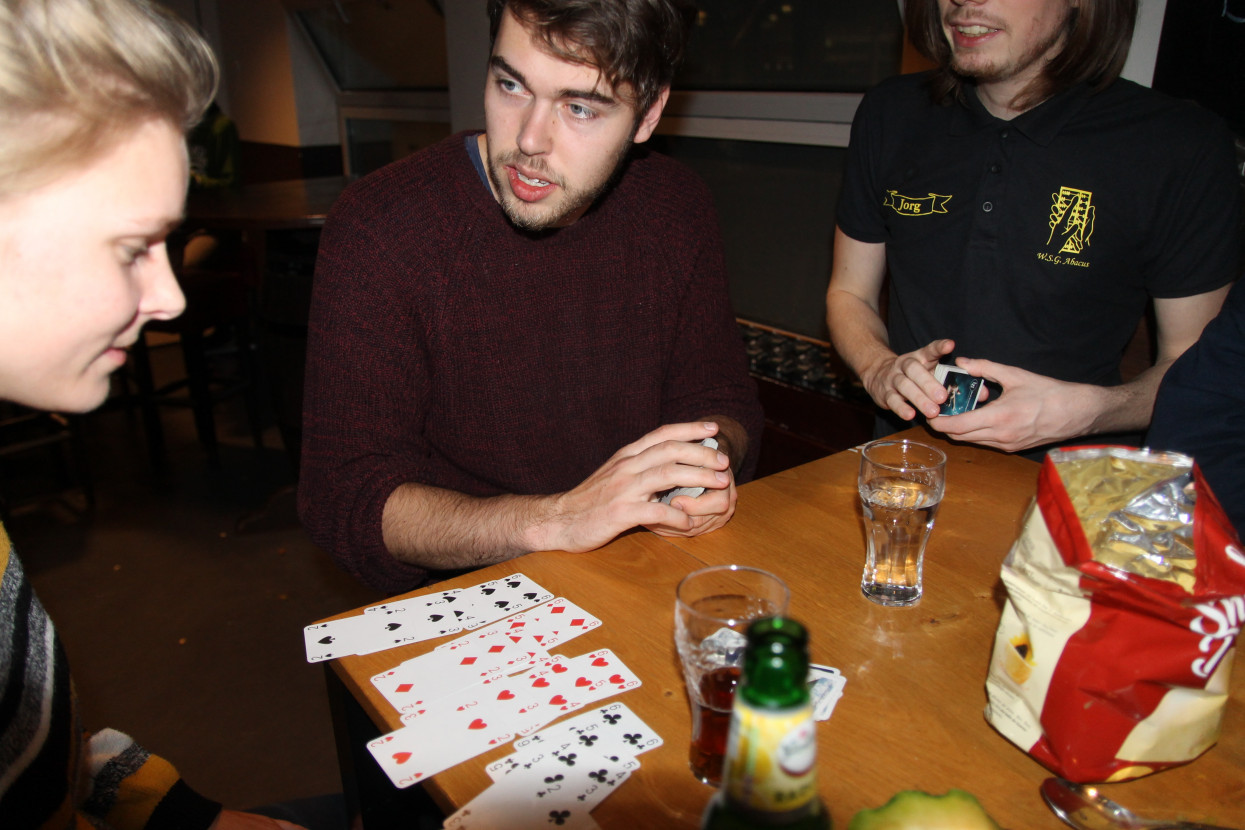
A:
(51, 774)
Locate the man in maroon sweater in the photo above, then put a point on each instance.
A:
(496, 316)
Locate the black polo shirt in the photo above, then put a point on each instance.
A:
(1037, 242)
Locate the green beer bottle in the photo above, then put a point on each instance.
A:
(770, 775)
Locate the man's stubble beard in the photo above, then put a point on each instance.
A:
(992, 74)
(574, 201)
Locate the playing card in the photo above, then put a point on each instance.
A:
(332, 639)
(409, 755)
(595, 676)
(466, 662)
(448, 606)
(825, 687)
(367, 633)
(612, 729)
(558, 788)
(549, 624)
(490, 601)
(963, 389)
(520, 703)
(445, 598)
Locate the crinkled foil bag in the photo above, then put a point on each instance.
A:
(1126, 589)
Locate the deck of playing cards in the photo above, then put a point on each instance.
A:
(963, 389)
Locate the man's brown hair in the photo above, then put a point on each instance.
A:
(638, 43)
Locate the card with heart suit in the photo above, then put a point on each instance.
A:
(436, 734)
(409, 756)
(524, 703)
(507, 647)
(527, 702)
(558, 788)
(464, 663)
(447, 732)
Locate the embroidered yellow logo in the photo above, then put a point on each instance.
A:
(1071, 220)
(916, 206)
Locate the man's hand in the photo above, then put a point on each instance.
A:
(235, 820)
(709, 511)
(901, 382)
(619, 495)
(1033, 410)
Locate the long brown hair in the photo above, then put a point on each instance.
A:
(634, 42)
(1098, 35)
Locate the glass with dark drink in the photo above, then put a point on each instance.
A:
(713, 609)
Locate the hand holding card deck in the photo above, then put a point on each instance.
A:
(665, 496)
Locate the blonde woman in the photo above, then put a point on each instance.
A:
(95, 100)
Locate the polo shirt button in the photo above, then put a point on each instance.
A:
(994, 168)
(987, 206)
(1004, 134)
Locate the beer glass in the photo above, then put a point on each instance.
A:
(712, 611)
(901, 485)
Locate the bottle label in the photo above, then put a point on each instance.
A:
(771, 758)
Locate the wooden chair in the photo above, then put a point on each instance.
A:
(215, 335)
(28, 440)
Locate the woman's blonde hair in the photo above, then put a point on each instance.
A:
(78, 75)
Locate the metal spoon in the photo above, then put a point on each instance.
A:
(1085, 808)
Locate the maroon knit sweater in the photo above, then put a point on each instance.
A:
(450, 349)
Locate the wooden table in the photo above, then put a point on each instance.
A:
(911, 714)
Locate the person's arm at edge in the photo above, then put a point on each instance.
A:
(859, 335)
(1180, 323)
(1054, 411)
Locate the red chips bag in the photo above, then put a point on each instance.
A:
(1103, 674)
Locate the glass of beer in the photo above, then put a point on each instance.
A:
(901, 485)
(712, 611)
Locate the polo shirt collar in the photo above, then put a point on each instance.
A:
(1040, 125)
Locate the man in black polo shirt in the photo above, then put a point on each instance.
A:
(1027, 204)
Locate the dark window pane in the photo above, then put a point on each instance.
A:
(793, 45)
(373, 143)
(379, 46)
(776, 203)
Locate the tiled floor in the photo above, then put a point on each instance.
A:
(182, 629)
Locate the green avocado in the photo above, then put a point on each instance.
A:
(915, 810)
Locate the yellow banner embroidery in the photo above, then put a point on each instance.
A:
(1071, 219)
(914, 206)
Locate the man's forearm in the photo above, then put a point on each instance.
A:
(441, 529)
(1129, 406)
(857, 332)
